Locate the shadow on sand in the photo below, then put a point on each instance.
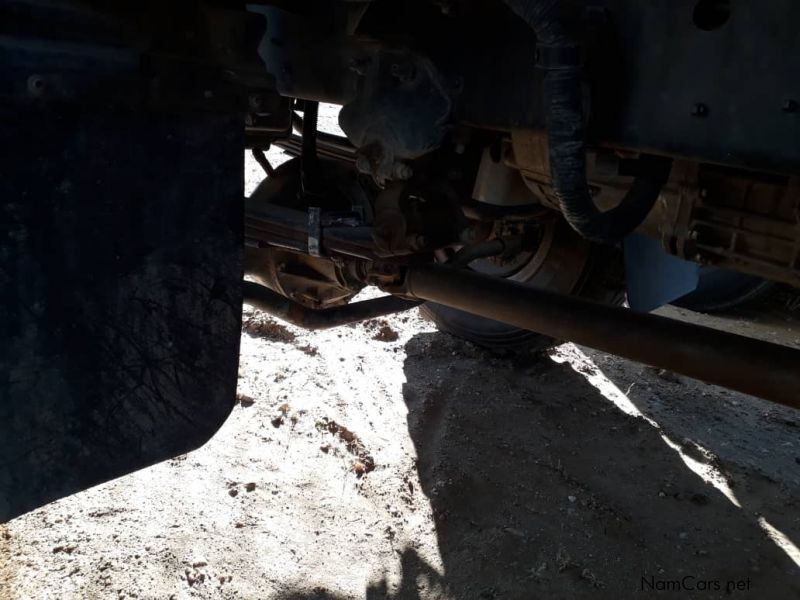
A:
(542, 488)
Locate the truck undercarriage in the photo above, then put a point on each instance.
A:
(521, 167)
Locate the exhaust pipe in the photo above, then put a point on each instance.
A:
(751, 366)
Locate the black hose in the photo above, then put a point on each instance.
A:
(560, 56)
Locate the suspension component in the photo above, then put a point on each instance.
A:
(295, 313)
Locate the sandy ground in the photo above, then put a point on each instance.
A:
(387, 460)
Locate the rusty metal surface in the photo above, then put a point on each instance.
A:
(751, 366)
(747, 223)
(279, 306)
(736, 220)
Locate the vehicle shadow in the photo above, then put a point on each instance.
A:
(541, 487)
(751, 444)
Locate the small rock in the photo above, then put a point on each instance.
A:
(537, 573)
(261, 325)
(663, 374)
(199, 563)
(571, 498)
(386, 334)
(369, 463)
(591, 578)
(193, 577)
(244, 400)
(277, 422)
(233, 492)
(249, 487)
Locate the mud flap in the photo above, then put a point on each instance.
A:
(120, 300)
(653, 277)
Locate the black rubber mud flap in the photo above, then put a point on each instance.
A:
(120, 298)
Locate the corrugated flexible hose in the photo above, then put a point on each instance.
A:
(560, 56)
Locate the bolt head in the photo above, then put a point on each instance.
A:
(36, 85)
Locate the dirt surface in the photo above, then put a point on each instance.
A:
(356, 465)
(387, 460)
